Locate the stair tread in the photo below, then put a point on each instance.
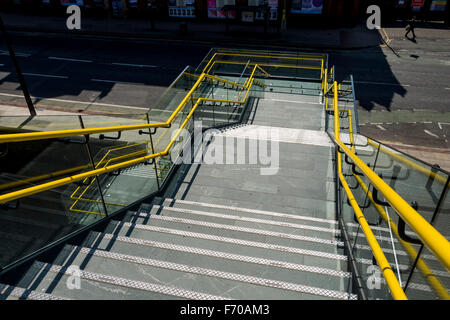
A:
(219, 282)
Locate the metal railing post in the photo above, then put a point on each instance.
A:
(88, 149)
(436, 212)
(22, 82)
(153, 151)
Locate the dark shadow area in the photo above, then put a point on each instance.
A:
(117, 72)
(376, 84)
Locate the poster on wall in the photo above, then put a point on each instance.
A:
(215, 9)
(72, 2)
(273, 10)
(438, 5)
(417, 4)
(182, 8)
(307, 6)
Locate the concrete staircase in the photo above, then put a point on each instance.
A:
(223, 231)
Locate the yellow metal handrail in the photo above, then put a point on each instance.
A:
(60, 182)
(428, 275)
(408, 162)
(271, 56)
(29, 136)
(388, 273)
(431, 238)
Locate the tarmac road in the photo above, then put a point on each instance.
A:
(401, 88)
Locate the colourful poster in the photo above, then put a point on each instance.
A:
(182, 8)
(307, 6)
(438, 5)
(216, 11)
(417, 4)
(273, 11)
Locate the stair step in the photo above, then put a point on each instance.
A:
(99, 286)
(228, 244)
(8, 292)
(224, 261)
(281, 238)
(255, 213)
(104, 241)
(317, 208)
(243, 221)
(188, 276)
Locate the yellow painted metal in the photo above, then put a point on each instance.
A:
(60, 182)
(128, 155)
(428, 275)
(408, 162)
(273, 54)
(47, 176)
(17, 137)
(388, 273)
(290, 66)
(321, 71)
(431, 238)
(391, 280)
(258, 56)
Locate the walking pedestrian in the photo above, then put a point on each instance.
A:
(410, 27)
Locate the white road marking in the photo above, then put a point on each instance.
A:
(430, 134)
(381, 127)
(384, 83)
(18, 54)
(45, 75)
(69, 59)
(113, 81)
(74, 101)
(134, 65)
(440, 126)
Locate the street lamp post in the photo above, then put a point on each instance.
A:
(22, 82)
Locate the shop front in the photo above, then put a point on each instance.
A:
(246, 11)
(425, 10)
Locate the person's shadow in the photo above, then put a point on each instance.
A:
(413, 39)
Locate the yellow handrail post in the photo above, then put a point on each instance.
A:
(388, 273)
(428, 275)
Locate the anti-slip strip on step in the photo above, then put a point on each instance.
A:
(11, 291)
(255, 211)
(122, 282)
(264, 245)
(242, 229)
(220, 274)
(268, 213)
(246, 219)
(233, 241)
(226, 255)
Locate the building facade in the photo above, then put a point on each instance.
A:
(295, 12)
